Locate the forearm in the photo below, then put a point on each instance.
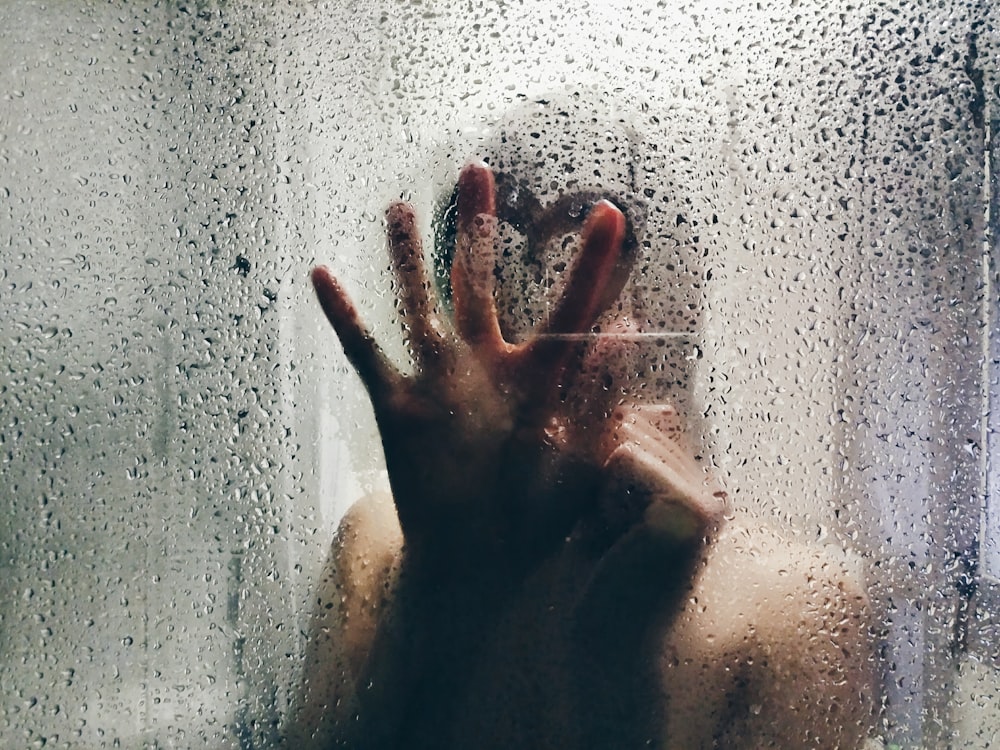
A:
(428, 647)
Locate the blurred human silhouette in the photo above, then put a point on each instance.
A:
(553, 569)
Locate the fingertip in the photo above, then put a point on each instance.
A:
(476, 167)
(328, 289)
(604, 205)
(329, 292)
(476, 188)
(605, 218)
(321, 276)
(399, 212)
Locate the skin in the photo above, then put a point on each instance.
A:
(552, 569)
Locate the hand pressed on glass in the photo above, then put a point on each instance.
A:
(487, 452)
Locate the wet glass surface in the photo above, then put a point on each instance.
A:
(180, 434)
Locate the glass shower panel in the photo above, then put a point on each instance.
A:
(991, 516)
(984, 636)
(180, 432)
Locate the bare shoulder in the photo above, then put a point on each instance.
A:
(363, 557)
(354, 588)
(772, 649)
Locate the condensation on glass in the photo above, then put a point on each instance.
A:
(179, 432)
(991, 514)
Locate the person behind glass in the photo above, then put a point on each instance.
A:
(553, 569)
